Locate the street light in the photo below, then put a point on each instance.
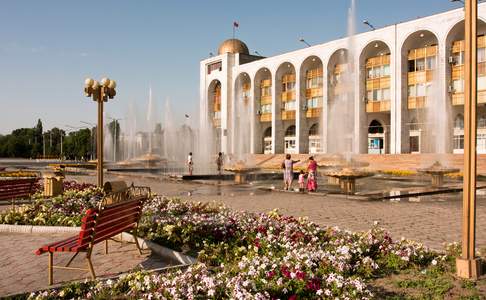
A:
(114, 137)
(100, 93)
(366, 22)
(304, 41)
(458, 1)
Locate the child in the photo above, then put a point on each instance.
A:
(301, 181)
(311, 182)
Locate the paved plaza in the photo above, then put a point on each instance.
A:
(433, 220)
(24, 271)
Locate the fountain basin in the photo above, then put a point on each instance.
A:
(347, 177)
(241, 172)
(437, 172)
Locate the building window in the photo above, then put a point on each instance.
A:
(266, 108)
(217, 66)
(313, 102)
(288, 86)
(458, 141)
(289, 105)
(414, 144)
(481, 55)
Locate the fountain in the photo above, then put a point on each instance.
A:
(347, 178)
(437, 171)
(241, 171)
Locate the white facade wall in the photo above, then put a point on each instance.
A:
(393, 36)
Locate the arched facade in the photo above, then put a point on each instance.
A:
(386, 77)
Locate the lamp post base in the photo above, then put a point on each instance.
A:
(468, 268)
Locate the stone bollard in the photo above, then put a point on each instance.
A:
(53, 185)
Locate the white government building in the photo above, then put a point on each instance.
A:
(288, 95)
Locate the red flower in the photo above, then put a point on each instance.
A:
(285, 271)
(293, 297)
(300, 275)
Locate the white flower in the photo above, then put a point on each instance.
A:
(434, 262)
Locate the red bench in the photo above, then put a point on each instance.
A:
(17, 188)
(98, 225)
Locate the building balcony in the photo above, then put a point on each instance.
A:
(422, 52)
(458, 98)
(458, 71)
(378, 83)
(266, 117)
(266, 99)
(288, 115)
(377, 106)
(416, 102)
(313, 92)
(420, 77)
(313, 112)
(287, 96)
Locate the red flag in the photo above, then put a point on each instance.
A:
(235, 24)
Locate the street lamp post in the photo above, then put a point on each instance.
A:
(100, 93)
(468, 265)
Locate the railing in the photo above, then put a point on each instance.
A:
(286, 96)
(377, 106)
(266, 117)
(313, 112)
(416, 102)
(378, 83)
(288, 115)
(458, 98)
(313, 92)
(420, 77)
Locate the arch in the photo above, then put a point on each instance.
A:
(214, 101)
(375, 127)
(241, 115)
(290, 131)
(285, 89)
(262, 102)
(314, 130)
(267, 141)
(267, 133)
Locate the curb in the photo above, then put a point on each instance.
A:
(37, 229)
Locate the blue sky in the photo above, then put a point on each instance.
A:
(47, 48)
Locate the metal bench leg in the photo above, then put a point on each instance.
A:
(106, 246)
(90, 264)
(50, 268)
(71, 260)
(135, 237)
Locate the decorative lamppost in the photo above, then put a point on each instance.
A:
(100, 93)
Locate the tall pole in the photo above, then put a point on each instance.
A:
(99, 137)
(468, 265)
(114, 143)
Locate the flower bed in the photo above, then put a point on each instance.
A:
(244, 255)
(64, 210)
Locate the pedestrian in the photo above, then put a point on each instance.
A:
(190, 163)
(219, 163)
(311, 178)
(288, 166)
(301, 181)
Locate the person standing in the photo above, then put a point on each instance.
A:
(288, 166)
(312, 178)
(301, 181)
(219, 163)
(190, 163)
